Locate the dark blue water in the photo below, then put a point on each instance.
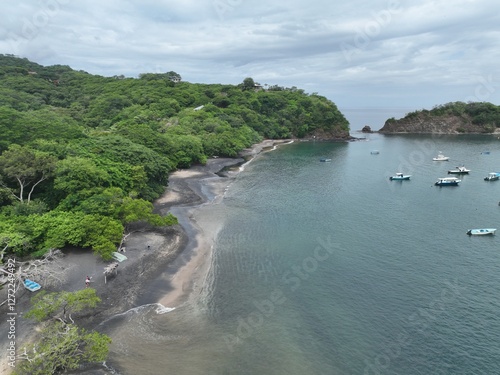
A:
(330, 268)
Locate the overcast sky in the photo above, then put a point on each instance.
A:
(374, 58)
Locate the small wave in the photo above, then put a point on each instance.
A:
(163, 310)
(159, 309)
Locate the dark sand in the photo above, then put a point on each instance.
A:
(163, 273)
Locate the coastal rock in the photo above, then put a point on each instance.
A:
(423, 122)
(367, 129)
(330, 135)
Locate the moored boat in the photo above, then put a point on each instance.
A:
(459, 170)
(492, 176)
(400, 177)
(325, 160)
(447, 181)
(481, 232)
(375, 152)
(441, 157)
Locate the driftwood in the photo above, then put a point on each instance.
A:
(110, 269)
(48, 270)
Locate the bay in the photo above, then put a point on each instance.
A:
(331, 268)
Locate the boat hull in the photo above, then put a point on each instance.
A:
(447, 181)
(446, 184)
(481, 232)
(398, 178)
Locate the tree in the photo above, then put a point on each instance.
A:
(61, 348)
(76, 173)
(27, 167)
(248, 84)
(60, 305)
(62, 345)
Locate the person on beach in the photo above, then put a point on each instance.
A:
(87, 282)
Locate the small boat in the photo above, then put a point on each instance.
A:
(441, 157)
(485, 152)
(459, 170)
(119, 257)
(492, 176)
(325, 160)
(375, 152)
(400, 177)
(481, 232)
(31, 285)
(447, 181)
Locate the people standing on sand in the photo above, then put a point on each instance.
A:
(87, 282)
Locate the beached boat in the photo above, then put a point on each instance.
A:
(492, 176)
(441, 157)
(325, 160)
(31, 285)
(459, 170)
(447, 181)
(400, 177)
(481, 232)
(119, 257)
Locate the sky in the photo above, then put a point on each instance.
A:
(374, 59)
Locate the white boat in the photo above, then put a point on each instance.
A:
(441, 157)
(492, 176)
(459, 170)
(447, 181)
(400, 177)
(325, 160)
(481, 232)
(119, 257)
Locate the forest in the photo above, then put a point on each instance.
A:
(83, 156)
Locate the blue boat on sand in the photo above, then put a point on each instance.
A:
(32, 286)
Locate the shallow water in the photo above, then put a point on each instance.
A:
(330, 268)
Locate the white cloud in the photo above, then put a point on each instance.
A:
(358, 54)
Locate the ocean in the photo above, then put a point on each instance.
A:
(331, 268)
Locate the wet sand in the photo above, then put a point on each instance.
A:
(166, 272)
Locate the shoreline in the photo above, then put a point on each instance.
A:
(164, 265)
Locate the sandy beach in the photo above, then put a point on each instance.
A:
(164, 265)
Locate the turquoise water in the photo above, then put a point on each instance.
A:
(330, 268)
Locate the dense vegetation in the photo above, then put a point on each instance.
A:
(482, 115)
(61, 344)
(82, 156)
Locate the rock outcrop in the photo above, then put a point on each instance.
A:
(425, 123)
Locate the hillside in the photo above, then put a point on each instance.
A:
(451, 118)
(83, 156)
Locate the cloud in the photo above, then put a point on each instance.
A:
(382, 53)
